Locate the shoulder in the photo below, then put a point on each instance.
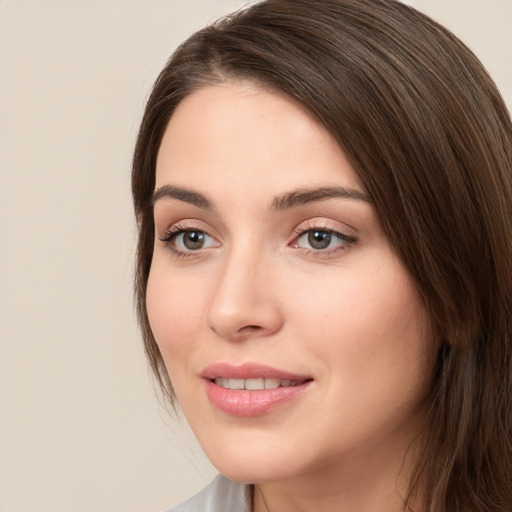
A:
(222, 495)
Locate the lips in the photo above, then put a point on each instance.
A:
(251, 389)
(249, 371)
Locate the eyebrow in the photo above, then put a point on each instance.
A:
(304, 196)
(284, 201)
(182, 194)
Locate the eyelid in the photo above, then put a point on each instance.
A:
(343, 232)
(185, 225)
(177, 228)
(324, 224)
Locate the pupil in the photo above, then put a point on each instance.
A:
(319, 239)
(193, 240)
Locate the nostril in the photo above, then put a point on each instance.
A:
(250, 328)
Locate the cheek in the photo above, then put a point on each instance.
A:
(371, 341)
(370, 323)
(174, 312)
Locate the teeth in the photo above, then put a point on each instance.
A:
(272, 383)
(236, 383)
(253, 384)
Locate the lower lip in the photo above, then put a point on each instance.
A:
(251, 403)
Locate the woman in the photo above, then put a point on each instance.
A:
(323, 193)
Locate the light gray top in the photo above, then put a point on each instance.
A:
(222, 495)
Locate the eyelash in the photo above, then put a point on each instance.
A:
(346, 240)
(175, 231)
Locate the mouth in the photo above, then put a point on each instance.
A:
(256, 384)
(252, 389)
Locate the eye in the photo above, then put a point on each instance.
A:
(321, 241)
(184, 241)
(192, 240)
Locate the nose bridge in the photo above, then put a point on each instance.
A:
(244, 302)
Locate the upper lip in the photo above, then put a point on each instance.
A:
(249, 371)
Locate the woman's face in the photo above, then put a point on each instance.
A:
(294, 337)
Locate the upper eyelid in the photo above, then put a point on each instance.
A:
(184, 225)
(176, 230)
(325, 224)
(335, 232)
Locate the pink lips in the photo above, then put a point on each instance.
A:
(268, 388)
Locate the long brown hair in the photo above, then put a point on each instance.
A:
(427, 132)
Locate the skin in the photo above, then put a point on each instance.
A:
(347, 315)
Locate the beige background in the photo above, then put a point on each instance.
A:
(80, 427)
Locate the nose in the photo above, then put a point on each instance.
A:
(245, 301)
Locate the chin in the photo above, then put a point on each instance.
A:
(250, 463)
(245, 473)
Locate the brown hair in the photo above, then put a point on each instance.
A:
(428, 134)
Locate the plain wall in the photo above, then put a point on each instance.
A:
(80, 427)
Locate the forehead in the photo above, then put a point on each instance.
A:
(241, 132)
